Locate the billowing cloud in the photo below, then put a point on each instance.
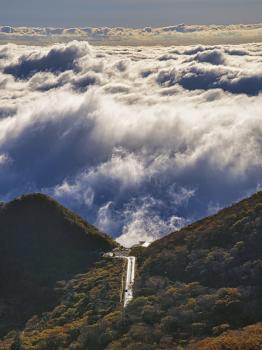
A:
(180, 34)
(58, 59)
(139, 141)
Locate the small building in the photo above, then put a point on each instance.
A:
(141, 244)
(108, 255)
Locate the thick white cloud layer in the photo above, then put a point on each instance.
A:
(138, 140)
(180, 34)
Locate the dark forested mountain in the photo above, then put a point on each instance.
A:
(204, 280)
(41, 242)
(199, 288)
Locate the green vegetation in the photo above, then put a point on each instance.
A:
(41, 243)
(199, 282)
(198, 289)
(84, 301)
(249, 338)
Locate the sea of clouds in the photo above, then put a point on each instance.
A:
(181, 34)
(140, 141)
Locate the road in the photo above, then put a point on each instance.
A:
(130, 279)
(130, 273)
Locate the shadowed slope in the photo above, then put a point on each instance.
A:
(41, 242)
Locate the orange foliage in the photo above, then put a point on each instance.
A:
(249, 338)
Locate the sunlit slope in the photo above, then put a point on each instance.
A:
(201, 281)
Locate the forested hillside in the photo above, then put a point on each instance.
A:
(41, 243)
(202, 281)
(199, 288)
(85, 305)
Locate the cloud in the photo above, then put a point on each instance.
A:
(215, 57)
(58, 59)
(136, 144)
(203, 77)
(180, 34)
(4, 159)
(144, 224)
(6, 29)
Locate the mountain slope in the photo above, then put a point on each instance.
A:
(41, 242)
(74, 323)
(199, 288)
(211, 251)
(204, 279)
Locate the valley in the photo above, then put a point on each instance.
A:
(198, 288)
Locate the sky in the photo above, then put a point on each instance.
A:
(131, 13)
